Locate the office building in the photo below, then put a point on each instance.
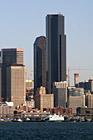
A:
(39, 63)
(6, 110)
(73, 91)
(9, 56)
(55, 50)
(76, 98)
(60, 94)
(43, 100)
(75, 102)
(16, 84)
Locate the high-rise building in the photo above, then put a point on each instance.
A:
(39, 62)
(76, 98)
(55, 50)
(9, 56)
(15, 84)
(60, 94)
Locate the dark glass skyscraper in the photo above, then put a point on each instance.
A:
(55, 50)
(39, 62)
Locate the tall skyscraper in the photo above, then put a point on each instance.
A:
(39, 62)
(55, 50)
(9, 56)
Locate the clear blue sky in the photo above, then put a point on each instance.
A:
(21, 21)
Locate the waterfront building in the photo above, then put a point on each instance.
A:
(60, 110)
(27, 106)
(85, 111)
(39, 63)
(15, 84)
(43, 100)
(6, 110)
(30, 103)
(9, 56)
(55, 50)
(60, 94)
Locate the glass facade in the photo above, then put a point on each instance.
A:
(55, 50)
(39, 63)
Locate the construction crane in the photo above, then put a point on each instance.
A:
(80, 69)
(29, 74)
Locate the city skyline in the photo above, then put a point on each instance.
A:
(19, 28)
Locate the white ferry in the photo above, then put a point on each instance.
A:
(54, 117)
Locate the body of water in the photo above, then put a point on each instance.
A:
(46, 131)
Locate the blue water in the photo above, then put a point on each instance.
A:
(46, 131)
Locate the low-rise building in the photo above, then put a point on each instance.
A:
(6, 110)
(88, 111)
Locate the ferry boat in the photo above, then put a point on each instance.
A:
(54, 117)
